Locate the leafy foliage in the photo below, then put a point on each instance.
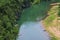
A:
(8, 11)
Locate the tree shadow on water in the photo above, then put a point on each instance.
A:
(35, 13)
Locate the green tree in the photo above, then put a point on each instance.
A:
(8, 11)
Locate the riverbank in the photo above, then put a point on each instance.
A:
(51, 22)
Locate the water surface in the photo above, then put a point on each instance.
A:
(32, 31)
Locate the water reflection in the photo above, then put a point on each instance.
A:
(32, 31)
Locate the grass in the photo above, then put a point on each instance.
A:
(49, 20)
(52, 15)
(53, 38)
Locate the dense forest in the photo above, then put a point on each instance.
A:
(10, 12)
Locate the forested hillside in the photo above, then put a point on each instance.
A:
(10, 12)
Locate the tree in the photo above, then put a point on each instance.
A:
(8, 11)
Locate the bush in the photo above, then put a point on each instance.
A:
(8, 11)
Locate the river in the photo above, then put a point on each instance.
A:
(32, 31)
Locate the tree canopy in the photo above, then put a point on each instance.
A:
(10, 12)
